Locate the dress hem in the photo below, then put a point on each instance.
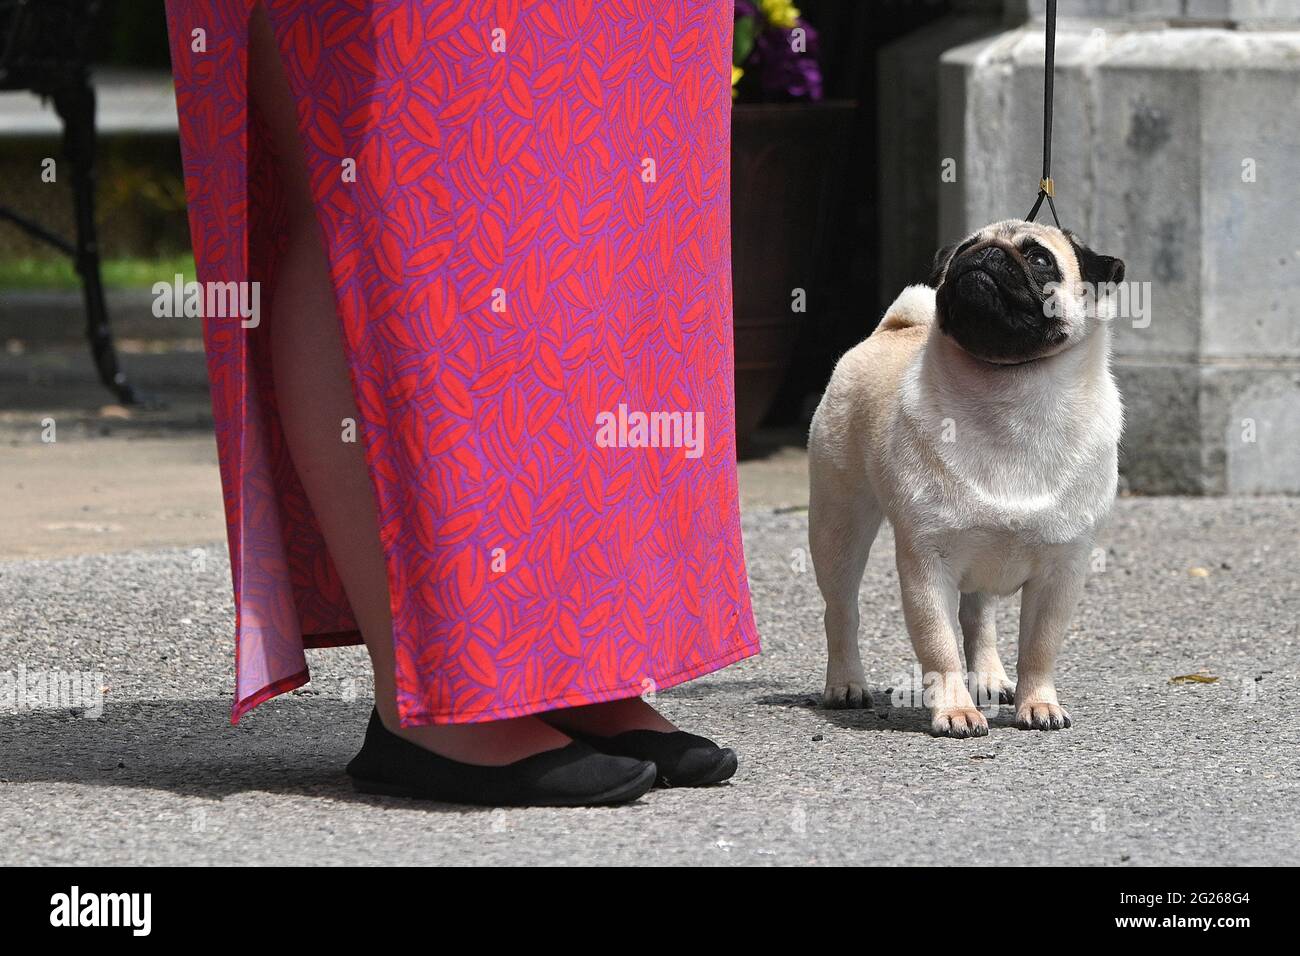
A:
(573, 699)
(585, 697)
(282, 686)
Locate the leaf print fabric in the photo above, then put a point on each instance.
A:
(525, 206)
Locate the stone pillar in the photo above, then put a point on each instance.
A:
(909, 160)
(1177, 148)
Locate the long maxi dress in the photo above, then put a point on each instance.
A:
(525, 205)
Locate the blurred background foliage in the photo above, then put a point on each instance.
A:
(137, 36)
(140, 188)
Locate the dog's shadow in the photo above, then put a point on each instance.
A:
(881, 716)
(188, 747)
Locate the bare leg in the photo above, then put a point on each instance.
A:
(314, 395)
(608, 719)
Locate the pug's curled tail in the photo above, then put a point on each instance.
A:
(913, 307)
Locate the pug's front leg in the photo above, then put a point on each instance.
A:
(1047, 604)
(930, 610)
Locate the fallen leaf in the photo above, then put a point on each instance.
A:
(1193, 679)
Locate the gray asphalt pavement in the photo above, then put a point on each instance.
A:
(1153, 772)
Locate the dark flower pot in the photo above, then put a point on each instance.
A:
(784, 160)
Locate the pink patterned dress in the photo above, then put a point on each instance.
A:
(525, 206)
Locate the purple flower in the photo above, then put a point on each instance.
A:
(778, 63)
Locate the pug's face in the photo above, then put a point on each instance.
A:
(1016, 291)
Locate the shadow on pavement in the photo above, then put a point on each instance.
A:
(882, 716)
(188, 747)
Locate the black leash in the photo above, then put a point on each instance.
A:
(1046, 188)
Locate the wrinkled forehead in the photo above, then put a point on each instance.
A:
(1015, 231)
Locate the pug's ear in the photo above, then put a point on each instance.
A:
(940, 265)
(1095, 268)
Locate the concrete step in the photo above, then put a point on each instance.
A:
(59, 382)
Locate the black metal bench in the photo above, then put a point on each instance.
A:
(45, 48)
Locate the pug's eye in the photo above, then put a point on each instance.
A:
(1038, 258)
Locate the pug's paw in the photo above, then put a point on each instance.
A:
(998, 689)
(1007, 691)
(850, 694)
(960, 722)
(1037, 715)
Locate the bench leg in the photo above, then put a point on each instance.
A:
(76, 107)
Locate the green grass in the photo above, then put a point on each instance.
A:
(128, 273)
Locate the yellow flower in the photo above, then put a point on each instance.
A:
(736, 74)
(780, 13)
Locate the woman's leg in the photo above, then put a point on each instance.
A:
(314, 395)
(606, 720)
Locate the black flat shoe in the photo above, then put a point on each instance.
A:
(572, 776)
(682, 759)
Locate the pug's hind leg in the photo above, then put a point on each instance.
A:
(842, 524)
(979, 635)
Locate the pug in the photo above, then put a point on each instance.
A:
(982, 420)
